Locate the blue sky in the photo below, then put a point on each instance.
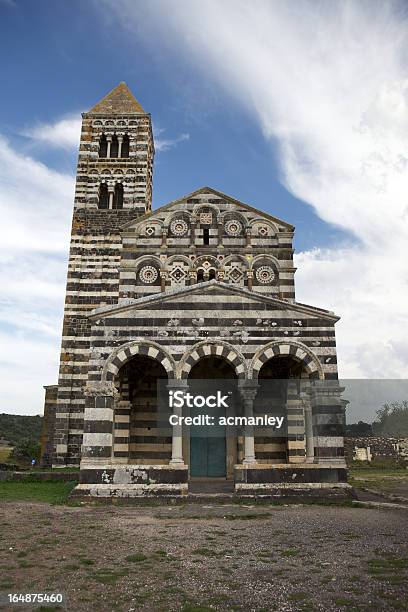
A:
(49, 76)
(252, 98)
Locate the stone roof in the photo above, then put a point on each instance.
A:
(119, 101)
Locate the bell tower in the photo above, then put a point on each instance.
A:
(115, 163)
(113, 187)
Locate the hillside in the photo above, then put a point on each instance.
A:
(15, 428)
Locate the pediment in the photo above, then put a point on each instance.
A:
(214, 291)
(207, 195)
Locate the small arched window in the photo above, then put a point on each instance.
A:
(125, 146)
(118, 196)
(200, 276)
(103, 146)
(103, 201)
(211, 275)
(114, 146)
(206, 236)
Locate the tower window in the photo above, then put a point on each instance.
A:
(125, 146)
(206, 236)
(103, 146)
(118, 196)
(114, 146)
(103, 201)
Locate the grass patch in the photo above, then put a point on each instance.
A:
(109, 576)
(387, 564)
(289, 552)
(136, 558)
(49, 491)
(5, 453)
(298, 596)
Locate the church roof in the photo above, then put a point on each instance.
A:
(209, 190)
(119, 101)
(207, 288)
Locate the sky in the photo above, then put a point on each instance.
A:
(297, 108)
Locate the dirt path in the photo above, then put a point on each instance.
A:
(204, 557)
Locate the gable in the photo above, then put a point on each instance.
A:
(213, 198)
(214, 298)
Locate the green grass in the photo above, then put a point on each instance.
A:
(5, 453)
(375, 472)
(53, 492)
(136, 558)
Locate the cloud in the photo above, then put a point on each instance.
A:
(164, 144)
(35, 208)
(63, 133)
(327, 84)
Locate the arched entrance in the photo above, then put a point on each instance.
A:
(138, 438)
(212, 449)
(279, 394)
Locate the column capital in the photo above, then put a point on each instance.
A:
(177, 383)
(248, 389)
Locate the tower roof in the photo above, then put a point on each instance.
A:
(119, 101)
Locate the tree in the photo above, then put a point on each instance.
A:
(392, 420)
(358, 430)
(26, 450)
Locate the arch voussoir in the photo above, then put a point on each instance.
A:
(287, 348)
(124, 353)
(205, 349)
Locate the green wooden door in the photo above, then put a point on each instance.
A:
(207, 456)
(207, 448)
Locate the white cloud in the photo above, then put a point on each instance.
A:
(326, 81)
(63, 133)
(162, 144)
(35, 208)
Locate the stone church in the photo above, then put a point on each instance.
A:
(202, 287)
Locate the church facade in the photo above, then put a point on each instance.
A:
(201, 288)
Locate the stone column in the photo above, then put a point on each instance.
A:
(120, 141)
(177, 435)
(163, 278)
(248, 237)
(220, 231)
(250, 276)
(193, 226)
(164, 237)
(111, 192)
(109, 144)
(295, 418)
(97, 443)
(308, 417)
(248, 390)
(328, 417)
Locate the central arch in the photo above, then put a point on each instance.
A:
(216, 349)
(211, 451)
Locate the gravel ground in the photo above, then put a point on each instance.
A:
(201, 557)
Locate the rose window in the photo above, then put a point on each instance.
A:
(148, 274)
(178, 227)
(233, 228)
(265, 274)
